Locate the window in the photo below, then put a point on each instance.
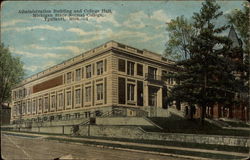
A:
(130, 68)
(152, 73)
(51, 118)
(78, 74)
(99, 67)
(34, 106)
(24, 108)
(67, 116)
(121, 65)
(68, 98)
(88, 71)
(29, 107)
(171, 80)
(164, 75)
(20, 93)
(139, 69)
(88, 94)
(130, 92)
(69, 77)
(60, 100)
(40, 104)
(99, 88)
(53, 101)
(46, 103)
(121, 90)
(77, 115)
(59, 117)
(14, 95)
(78, 96)
(139, 93)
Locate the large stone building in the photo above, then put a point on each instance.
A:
(111, 79)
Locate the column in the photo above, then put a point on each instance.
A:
(159, 98)
(145, 94)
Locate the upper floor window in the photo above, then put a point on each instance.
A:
(46, 103)
(24, 108)
(29, 106)
(99, 67)
(139, 69)
(68, 98)
(40, 103)
(171, 80)
(68, 77)
(53, 101)
(14, 95)
(99, 91)
(88, 94)
(20, 93)
(152, 72)
(130, 68)
(60, 100)
(78, 96)
(88, 71)
(34, 106)
(130, 92)
(78, 74)
(121, 65)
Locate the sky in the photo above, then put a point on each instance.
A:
(41, 43)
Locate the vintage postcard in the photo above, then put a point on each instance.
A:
(127, 80)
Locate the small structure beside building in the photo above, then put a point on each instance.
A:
(5, 113)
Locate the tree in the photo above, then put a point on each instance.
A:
(206, 77)
(240, 19)
(11, 73)
(180, 33)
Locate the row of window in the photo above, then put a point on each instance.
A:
(130, 67)
(152, 71)
(60, 117)
(45, 104)
(20, 93)
(89, 71)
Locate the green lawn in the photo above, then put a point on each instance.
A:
(175, 124)
(236, 124)
(170, 151)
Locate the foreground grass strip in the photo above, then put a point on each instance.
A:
(157, 142)
(177, 144)
(21, 135)
(160, 150)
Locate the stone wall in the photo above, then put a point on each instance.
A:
(52, 129)
(134, 132)
(137, 121)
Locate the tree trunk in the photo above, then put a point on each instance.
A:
(202, 117)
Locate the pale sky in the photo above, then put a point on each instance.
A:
(42, 44)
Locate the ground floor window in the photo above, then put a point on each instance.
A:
(130, 92)
(78, 96)
(99, 91)
(69, 98)
(88, 94)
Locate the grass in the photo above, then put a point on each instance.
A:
(157, 142)
(28, 136)
(175, 124)
(236, 124)
(177, 144)
(170, 151)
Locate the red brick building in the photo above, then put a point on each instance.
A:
(238, 111)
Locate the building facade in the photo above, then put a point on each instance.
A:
(112, 78)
